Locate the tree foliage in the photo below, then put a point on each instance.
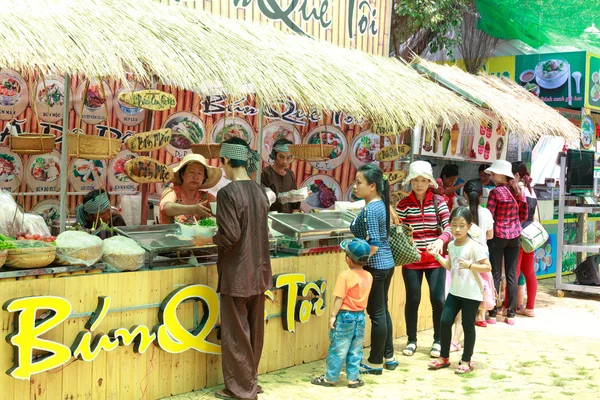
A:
(418, 25)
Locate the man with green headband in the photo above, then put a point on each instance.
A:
(244, 267)
(280, 178)
(96, 209)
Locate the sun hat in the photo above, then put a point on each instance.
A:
(420, 168)
(357, 249)
(500, 167)
(213, 174)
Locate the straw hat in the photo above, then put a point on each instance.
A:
(420, 168)
(500, 167)
(213, 174)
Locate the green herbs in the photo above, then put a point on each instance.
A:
(207, 223)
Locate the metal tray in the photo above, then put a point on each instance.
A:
(340, 220)
(153, 238)
(301, 226)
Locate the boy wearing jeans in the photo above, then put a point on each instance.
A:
(347, 322)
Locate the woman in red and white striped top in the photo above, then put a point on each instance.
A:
(420, 210)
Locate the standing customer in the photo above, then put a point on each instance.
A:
(526, 260)
(373, 224)
(244, 268)
(427, 213)
(508, 209)
(448, 184)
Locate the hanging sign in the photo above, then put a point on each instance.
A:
(154, 100)
(147, 170)
(395, 177)
(381, 130)
(149, 141)
(398, 195)
(392, 152)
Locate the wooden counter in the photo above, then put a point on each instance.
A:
(123, 374)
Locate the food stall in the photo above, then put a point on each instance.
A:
(146, 325)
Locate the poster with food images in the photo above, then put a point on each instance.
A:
(42, 172)
(331, 135)
(127, 114)
(229, 127)
(49, 97)
(365, 146)
(592, 98)
(349, 193)
(11, 170)
(274, 131)
(558, 79)
(14, 94)
(92, 106)
(187, 129)
(325, 192)
(87, 175)
(49, 209)
(117, 178)
(482, 142)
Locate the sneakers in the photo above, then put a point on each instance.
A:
(366, 370)
(510, 317)
(491, 317)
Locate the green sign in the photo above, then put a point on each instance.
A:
(558, 79)
(593, 81)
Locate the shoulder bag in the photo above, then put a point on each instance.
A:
(534, 236)
(485, 280)
(404, 250)
(440, 226)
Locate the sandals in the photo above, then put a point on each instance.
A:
(410, 349)
(358, 383)
(482, 324)
(454, 346)
(439, 363)
(526, 312)
(436, 349)
(321, 381)
(391, 365)
(464, 367)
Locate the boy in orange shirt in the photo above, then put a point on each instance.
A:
(347, 322)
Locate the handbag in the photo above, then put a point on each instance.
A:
(534, 236)
(440, 227)
(404, 250)
(485, 280)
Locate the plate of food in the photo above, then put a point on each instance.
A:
(130, 116)
(595, 92)
(228, 127)
(50, 98)
(329, 135)
(42, 172)
(48, 209)
(11, 168)
(11, 88)
(117, 178)
(86, 175)
(532, 88)
(349, 193)
(276, 130)
(187, 129)
(364, 147)
(95, 102)
(552, 74)
(325, 192)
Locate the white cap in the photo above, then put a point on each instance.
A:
(500, 167)
(420, 168)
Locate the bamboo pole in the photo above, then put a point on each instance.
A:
(259, 146)
(64, 156)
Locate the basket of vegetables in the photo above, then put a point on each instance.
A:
(27, 254)
(3, 255)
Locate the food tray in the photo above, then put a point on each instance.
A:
(31, 143)
(300, 226)
(33, 257)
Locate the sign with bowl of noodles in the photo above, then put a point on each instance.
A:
(11, 170)
(364, 147)
(87, 175)
(276, 130)
(187, 129)
(333, 136)
(126, 113)
(49, 210)
(325, 192)
(117, 177)
(50, 98)
(228, 127)
(14, 94)
(93, 102)
(42, 172)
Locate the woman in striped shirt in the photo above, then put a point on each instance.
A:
(428, 215)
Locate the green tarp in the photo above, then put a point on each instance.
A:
(543, 22)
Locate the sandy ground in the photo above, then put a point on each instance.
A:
(555, 355)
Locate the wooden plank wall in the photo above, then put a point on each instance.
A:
(123, 374)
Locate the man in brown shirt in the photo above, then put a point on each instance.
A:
(244, 268)
(280, 178)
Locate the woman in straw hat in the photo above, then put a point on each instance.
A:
(186, 197)
(508, 208)
(428, 215)
(244, 267)
(280, 178)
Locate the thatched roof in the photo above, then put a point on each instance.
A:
(195, 50)
(521, 112)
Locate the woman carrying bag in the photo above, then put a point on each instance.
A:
(427, 214)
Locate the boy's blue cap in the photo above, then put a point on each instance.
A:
(357, 249)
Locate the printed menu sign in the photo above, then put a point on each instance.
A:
(556, 78)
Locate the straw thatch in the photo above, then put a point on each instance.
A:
(520, 111)
(195, 50)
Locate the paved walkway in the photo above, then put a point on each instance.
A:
(555, 355)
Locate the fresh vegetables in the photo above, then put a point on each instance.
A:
(47, 239)
(207, 222)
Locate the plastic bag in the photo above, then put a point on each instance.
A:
(122, 254)
(293, 196)
(13, 221)
(78, 248)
